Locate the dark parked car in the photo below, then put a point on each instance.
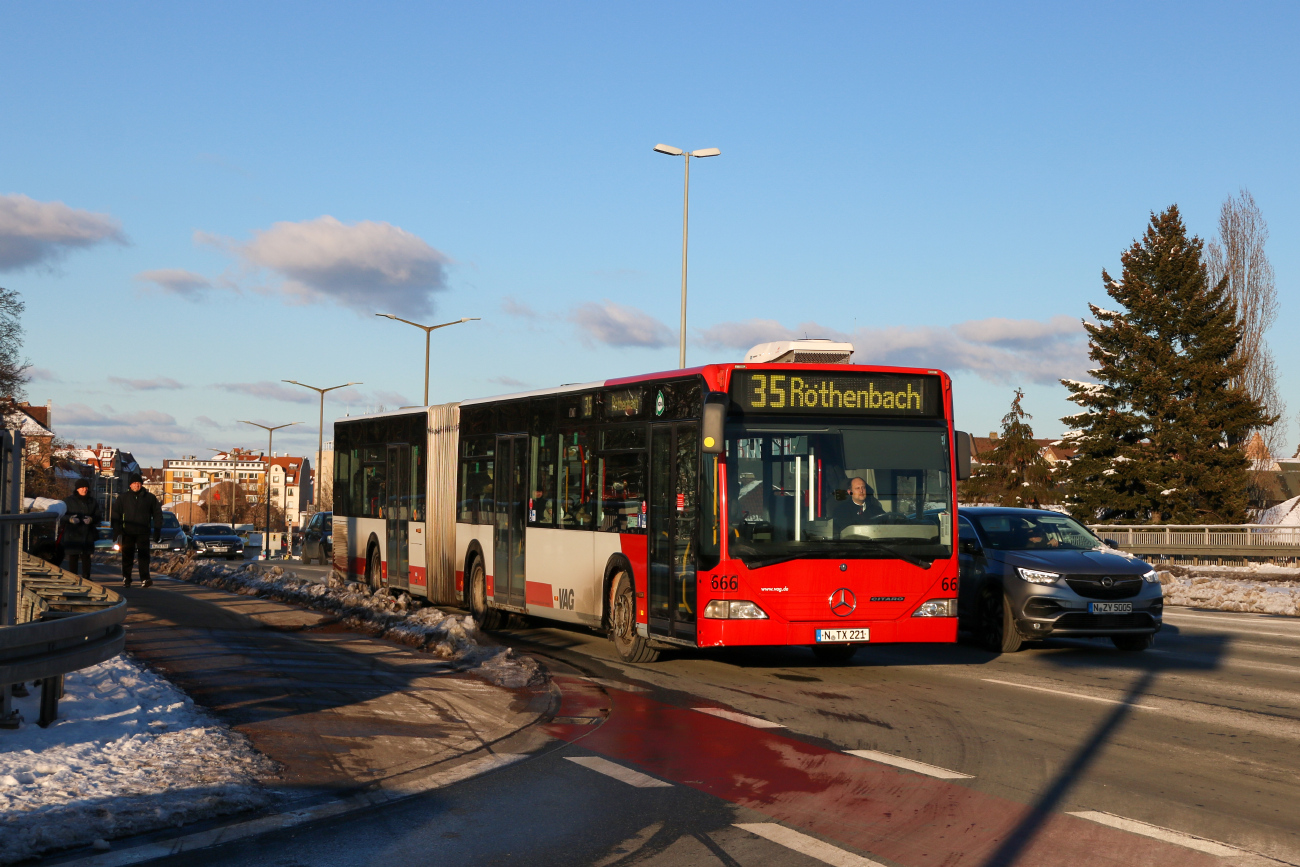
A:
(173, 535)
(216, 540)
(318, 539)
(1028, 573)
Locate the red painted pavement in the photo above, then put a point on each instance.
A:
(908, 818)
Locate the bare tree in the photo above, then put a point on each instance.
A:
(12, 369)
(1238, 257)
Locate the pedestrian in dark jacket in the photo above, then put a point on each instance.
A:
(137, 519)
(80, 523)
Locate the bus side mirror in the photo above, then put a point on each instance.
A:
(962, 441)
(715, 419)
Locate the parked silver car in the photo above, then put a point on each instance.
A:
(1029, 573)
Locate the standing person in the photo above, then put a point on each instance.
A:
(137, 519)
(79, 528)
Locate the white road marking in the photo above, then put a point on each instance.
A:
(810, 846)
(618, 772)
(1071, 694)
(740, 718)
(389, 791)
(909, 765)
(1133, 826)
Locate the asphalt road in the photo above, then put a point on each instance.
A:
(742, 757)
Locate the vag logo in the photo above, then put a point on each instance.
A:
(566, 599)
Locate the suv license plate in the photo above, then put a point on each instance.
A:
(1110, 607)
(840, 635)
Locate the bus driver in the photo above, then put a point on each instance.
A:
(860, 508)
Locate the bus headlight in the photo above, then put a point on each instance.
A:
(734, 609)
(937, 608)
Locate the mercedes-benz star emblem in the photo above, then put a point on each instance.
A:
(843, 602)
(1107, 581)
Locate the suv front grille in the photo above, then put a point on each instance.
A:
(1090, 586)
(1079, 620)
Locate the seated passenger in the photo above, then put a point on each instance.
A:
(860, 508)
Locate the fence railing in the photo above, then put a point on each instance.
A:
(60, 623)
(1230, 540)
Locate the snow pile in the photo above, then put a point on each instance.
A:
(1232, 594)
(129, 753)
(395, 616)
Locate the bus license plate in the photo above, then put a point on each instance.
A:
(840, 635)
(1110, 607)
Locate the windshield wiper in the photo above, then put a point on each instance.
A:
(888, 549)
(758, 561)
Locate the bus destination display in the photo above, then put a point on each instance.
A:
(835, 393)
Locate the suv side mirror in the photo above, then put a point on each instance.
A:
(1110, 543)
(970, 546)
(961, 440)
(715, 420)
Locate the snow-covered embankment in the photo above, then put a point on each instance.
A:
(1227, 588)
(395, 616)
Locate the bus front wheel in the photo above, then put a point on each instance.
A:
(622, 623)
(374, 570)
(485, 617)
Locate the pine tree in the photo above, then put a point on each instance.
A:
(1014, 472)
(1161, 433)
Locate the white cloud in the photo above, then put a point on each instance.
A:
(158, 383)
(996, 349)
(41, 374)
(270, 391)
(617, 325)
(40, 233)
(509, 382)
(514, 307)
(369, 267)
(177, 281)
(149, 435)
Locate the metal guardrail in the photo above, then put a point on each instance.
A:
(60, 623)
(1204, 540)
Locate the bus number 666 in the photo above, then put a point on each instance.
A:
(723, 582)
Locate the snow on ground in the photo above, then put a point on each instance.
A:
(129, 753)
(1231, 594)
(395, 616)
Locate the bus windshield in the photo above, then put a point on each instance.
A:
(838, 489)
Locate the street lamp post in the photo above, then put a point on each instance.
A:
(686, 219)
(320, 434)
(270, 436)
(428, 329)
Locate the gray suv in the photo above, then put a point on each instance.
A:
(1029, 573)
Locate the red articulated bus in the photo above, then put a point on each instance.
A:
(774, 502)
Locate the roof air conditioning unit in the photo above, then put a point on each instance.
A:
(816, 350)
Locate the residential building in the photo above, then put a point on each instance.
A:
(187, 480)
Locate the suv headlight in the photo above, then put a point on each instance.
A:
(1034, 576)
(735, 609)
(1151, 577)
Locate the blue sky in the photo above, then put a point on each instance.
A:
(200, 200)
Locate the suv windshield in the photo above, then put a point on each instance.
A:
(838, 489)
(1035, 533)
(213, 530)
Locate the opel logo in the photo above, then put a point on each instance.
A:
(1107, 581)
(843, 602)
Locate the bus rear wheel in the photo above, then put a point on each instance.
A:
(374, 570)
(622, 623)
(484, 616)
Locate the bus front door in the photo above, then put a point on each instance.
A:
(397, 515)
(673, 512)
(508, 532)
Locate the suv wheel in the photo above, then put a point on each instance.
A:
(998, 631)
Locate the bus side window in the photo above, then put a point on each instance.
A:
(622, 492)
(577, 500)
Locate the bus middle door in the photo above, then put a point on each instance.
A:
(673, 512)
(397, 515)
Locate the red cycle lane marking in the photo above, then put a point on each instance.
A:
(914, 820)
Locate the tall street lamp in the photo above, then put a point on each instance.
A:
(270, 436)
(320, 436)
(428, 329)
(686, 220)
